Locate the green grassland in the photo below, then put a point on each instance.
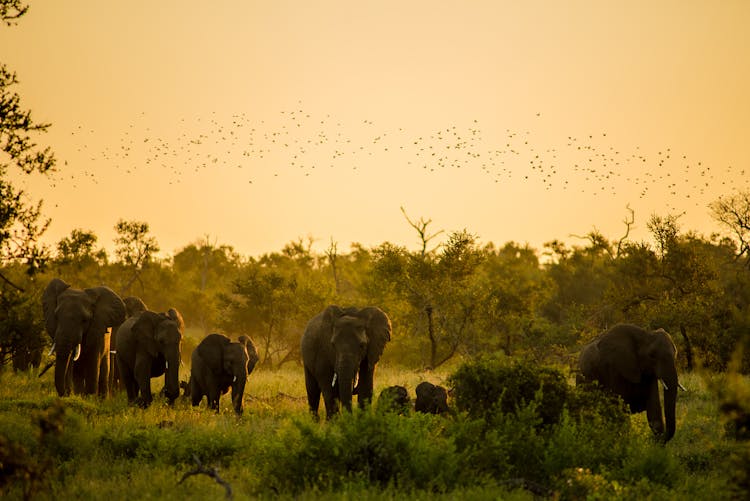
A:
(86, 448)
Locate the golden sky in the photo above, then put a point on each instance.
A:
(255, 123)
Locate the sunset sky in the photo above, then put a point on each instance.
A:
(255, 123)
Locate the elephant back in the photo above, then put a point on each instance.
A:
(134, 305)
(125, 342)
(109, 309)
(211, 350)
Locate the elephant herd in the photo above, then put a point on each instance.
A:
(99, 337)
(101, 342)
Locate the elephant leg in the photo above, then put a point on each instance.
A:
(128, 380)
(104, 374)
(653, 410)
(330, 399)
(196, 392)
(213, 396)
(313, 392)
(364, 392)
(112, 369)
(91, 373)
(79, 376)
(142, 374)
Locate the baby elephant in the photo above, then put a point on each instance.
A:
(394, 399)
(218, 364)
(431, 399)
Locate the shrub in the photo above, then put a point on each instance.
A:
(480, 385)
(384, 449)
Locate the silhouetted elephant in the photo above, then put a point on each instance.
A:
(630, 362)
(219, 364)
(431, 399)
(149, 345)
(78, 322)
(394, 399)
(338, 346)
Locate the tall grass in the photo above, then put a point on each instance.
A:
(87, 448)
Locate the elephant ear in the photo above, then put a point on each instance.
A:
(619, 352)
(108, 309)
(175, 316)
(49, 303)
(252, 352)
(144, 329)
(378, 332)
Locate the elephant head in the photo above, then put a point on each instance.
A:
(394, 399)
(252, 353)
(631, 362)
(431, 399)
(78, 322)
(358, 338)
(161, 335)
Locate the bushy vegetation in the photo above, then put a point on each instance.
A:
(93, 449)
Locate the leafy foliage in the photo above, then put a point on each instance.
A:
(487, 386)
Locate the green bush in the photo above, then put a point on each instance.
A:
(479, 386)
(502, 445)
(383, 449)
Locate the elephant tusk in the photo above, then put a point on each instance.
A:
(664, 385)
(234, 380)
(77, 352)
(166, 365)
(51, 350)
(333, 383)
(681, 387)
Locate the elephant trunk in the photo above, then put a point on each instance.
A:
(345, 376)
(67, 347)
(172, 375)
(669, 378)
(63, 364)
(238, 390)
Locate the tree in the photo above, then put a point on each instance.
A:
(22, 256)
(733, 212)
(438, 287)
(20, 223)
(203, 271)
(78, 259)
(11, 10)
(513, 290)
(135, 250)
(273, 298)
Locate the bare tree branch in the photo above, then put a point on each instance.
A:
(421, 227)
(211, 472)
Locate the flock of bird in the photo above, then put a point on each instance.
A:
(297, 142)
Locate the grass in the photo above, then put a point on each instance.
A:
(84, 447)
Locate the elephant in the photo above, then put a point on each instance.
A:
(394, 399)
(338, 346)
(149, 345)
(217, 365)
(79, 322)
(431, 399)
(630, 361)
(133, 306)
